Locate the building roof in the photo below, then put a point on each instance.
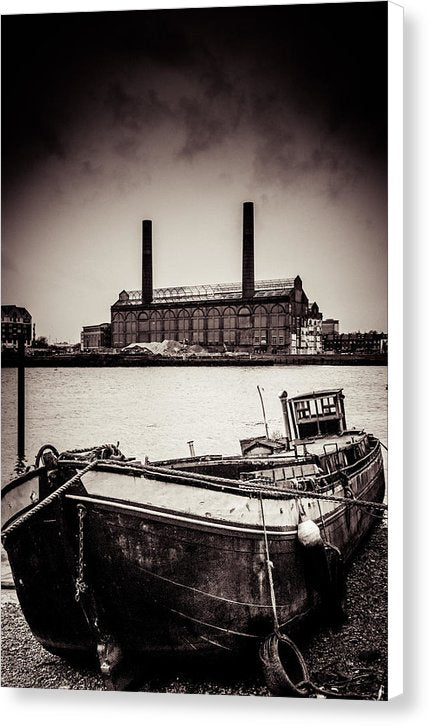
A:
(96, 326)
(219, 291)
(10, 309)
(317, 394)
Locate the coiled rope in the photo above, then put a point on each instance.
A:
(89, 449)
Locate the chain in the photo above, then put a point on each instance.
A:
(81, 585)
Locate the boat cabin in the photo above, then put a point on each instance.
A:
(320, 413)
(261, 445)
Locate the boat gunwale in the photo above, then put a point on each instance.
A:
(284, 531)
(185, 478)
(21, 479)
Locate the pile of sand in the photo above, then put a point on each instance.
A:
(167, 348)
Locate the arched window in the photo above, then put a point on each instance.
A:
(213, 326)
(170, 325)
(229, 326)
(260, 326)
(245, 326)
(156, 327)
(278, 326)
(130, 328)
(198, 326)
(183, 326)
(143, 328)
(118, 330)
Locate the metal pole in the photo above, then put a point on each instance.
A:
(263, 412)
(21, 396)
(191, 448)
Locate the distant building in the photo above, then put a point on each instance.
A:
(311, 333)
(94, 337)
(266, 316)
(357, 342)
(15, 321)
(330, 326)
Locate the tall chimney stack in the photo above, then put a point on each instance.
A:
(147, 285)
(248, 280)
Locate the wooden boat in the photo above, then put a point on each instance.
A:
(118, 557)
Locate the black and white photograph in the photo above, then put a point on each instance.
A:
(195, 351)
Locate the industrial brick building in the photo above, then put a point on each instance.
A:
(94, 337)
(265, 316)
(363, 343)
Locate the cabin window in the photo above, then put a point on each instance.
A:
(328, 406)
(303, 409)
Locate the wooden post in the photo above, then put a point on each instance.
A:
(21, 396)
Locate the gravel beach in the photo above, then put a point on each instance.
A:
(352, 658)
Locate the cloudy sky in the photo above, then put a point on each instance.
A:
(179, 116)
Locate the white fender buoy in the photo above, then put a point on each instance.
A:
(308, 532)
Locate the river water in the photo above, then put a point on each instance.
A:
(155, 411)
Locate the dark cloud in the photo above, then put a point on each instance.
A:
(133, 111)
(267, 71)
(203, 130)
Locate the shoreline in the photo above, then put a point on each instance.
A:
(115, 360)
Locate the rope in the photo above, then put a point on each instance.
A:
(322, 519)
(182, 476)
(384, 446)
(95, 449)
(305, 687)
(46, 502)
(329, 693)
(269, 571)
(316, 495)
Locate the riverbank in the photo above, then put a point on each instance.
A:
(114, 360)
(350, 659)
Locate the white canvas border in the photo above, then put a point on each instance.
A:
(395, 368)
(91, 703)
